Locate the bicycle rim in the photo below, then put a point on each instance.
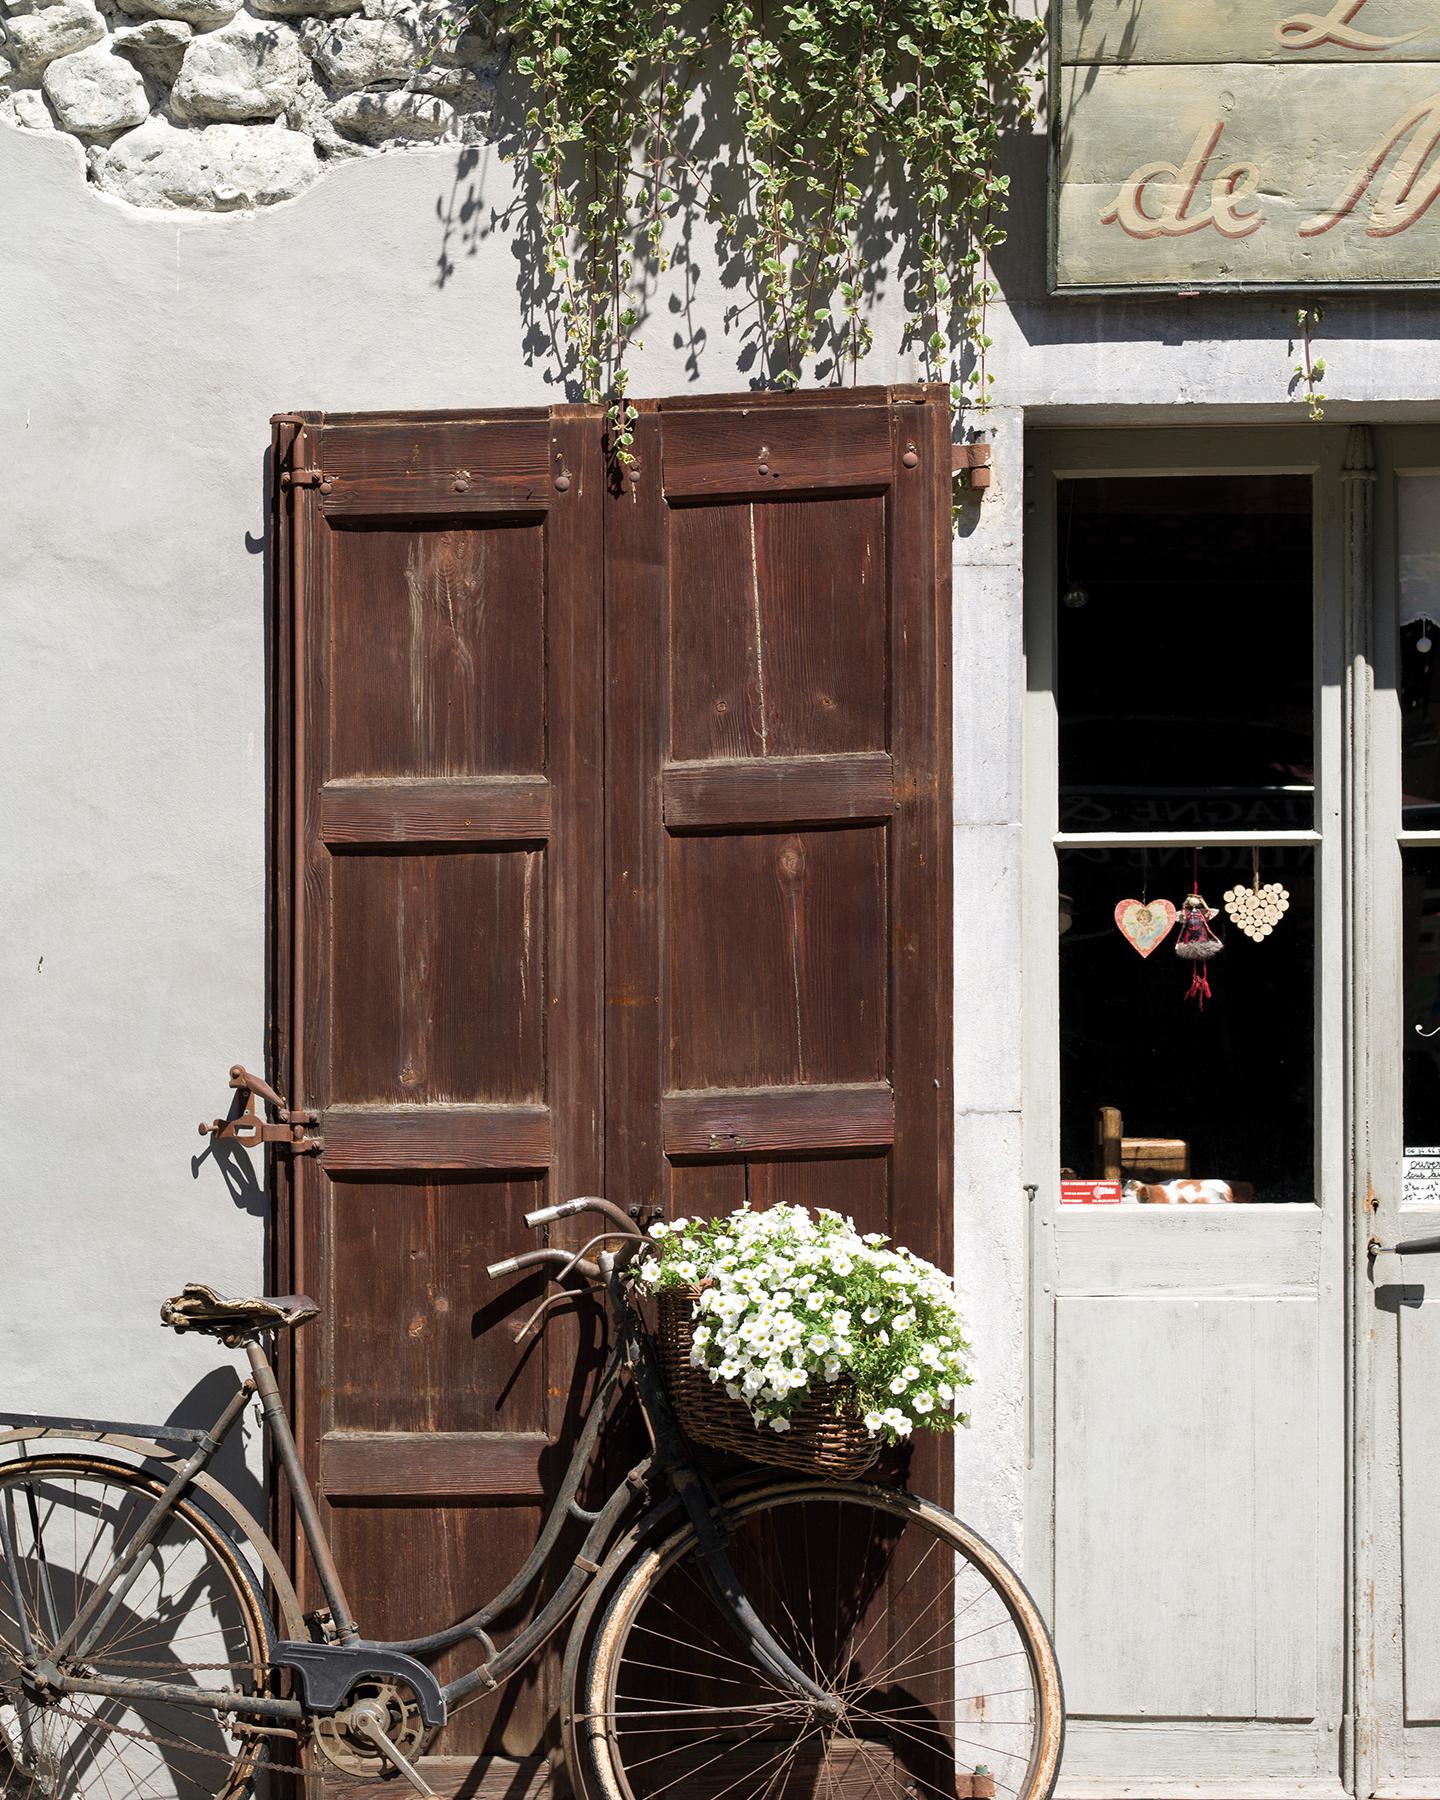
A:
(938, 1655)
(192, 1618)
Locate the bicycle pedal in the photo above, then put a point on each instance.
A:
(398, 1761)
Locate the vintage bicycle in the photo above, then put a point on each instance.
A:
(756, 1637)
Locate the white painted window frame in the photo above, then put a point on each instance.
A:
(1067, 452)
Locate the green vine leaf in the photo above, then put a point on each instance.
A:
(864, 126)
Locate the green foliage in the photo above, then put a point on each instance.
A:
(857, 122)
(1310, 370)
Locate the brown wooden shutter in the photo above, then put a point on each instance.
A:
(448, 998)
(778, 892)
(612, 855)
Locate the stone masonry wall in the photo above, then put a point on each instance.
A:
(220, 106)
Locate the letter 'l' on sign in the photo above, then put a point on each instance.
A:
(1263, 145)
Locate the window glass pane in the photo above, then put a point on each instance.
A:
(1184, 680)
(1155, 1089)
(1419, 505)
(1421, 1051)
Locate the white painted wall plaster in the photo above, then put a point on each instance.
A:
(143, 354)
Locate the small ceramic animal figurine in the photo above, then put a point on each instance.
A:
(1189, 1193)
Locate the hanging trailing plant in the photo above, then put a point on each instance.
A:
(864, 126)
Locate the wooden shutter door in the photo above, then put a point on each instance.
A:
(442, 945)
(778, 892)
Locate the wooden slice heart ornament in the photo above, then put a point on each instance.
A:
(1257, 910)
(1145, 923)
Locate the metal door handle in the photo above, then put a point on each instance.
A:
(1419, 1246)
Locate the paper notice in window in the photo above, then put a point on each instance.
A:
(1096, 1193)
(1422, 1176)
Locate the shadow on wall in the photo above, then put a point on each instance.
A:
(201, 1407)
(672, 297)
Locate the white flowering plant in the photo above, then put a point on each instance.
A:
(787, 1298)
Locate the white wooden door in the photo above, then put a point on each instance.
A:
(1397, 1301)
(1188, 1502)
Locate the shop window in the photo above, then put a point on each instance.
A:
(1419, 533)
(1159, 1092)
(1184, 654)
(1184, 671)
(1421, 1057)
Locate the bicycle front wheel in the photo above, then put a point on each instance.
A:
(192, 1619)
(938, 1656)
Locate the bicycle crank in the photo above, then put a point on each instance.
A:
(379, 1732)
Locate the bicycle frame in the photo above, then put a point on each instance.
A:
(326, 1671)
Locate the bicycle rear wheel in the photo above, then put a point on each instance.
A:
(941, 1661)
(192, 1618)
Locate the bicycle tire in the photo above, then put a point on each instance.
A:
(194, 1595)
(670, 1693)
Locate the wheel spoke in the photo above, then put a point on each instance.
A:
(191, 1607)
(884, 1554)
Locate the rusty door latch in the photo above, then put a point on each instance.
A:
(288, 1131)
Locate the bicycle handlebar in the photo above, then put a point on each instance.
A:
(543, 1259)
(566, 1209)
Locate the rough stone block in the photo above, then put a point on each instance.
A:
(28, 109)
(156, 46)
(294, 9)
(471, 87)
(204, 15)
(250, 70)
(222, 168)
(359, 53)
(34, 40)
(382, 118)
(95, 93)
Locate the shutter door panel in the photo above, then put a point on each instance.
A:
(757, 839)
(451, 1028)
(777, 924)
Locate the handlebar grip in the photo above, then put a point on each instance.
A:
(507, 1267)
(547, 1215)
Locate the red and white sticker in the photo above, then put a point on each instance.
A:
(1089, 1193)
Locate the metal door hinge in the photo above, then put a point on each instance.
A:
(316, 478)
(288, 1130)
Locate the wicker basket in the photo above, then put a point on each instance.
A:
(825, 1436)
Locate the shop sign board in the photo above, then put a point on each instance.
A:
(1245, 143)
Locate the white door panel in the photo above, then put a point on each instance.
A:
(1187, 1482)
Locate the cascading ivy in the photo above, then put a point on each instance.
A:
(864, 126)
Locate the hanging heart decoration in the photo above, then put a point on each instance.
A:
(1257, 910)
(1145, 923)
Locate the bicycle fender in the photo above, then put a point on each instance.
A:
(244, 1526)
(327, 1672)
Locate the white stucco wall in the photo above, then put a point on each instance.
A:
(143, 354)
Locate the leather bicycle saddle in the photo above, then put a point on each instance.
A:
(199, 1308)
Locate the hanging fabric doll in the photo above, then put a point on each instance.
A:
(1197, 943)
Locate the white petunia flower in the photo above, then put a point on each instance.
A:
(897, 1386)
(779, 1424)
(873, 1422)
(923, 1403)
